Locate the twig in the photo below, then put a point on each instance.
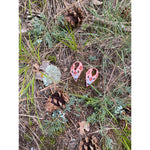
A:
(115, 79)
(73, 123)
(94, 132)
(35, 119)
(49, 87)
(24, 99)
(110, 77)
(36, 142)
(23, 147)
(97, 131)
(34, 134)
(29, 116)
(54, 47)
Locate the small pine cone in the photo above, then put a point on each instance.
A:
(74, 18)
(89, 143)
(57, 100)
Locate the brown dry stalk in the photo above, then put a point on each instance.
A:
(34, 135)
(110, 77)
(49, 87)
(116, 79)
(24, 115)
(36, 142)
(24, 99)
(110, 23)
(32, 118)
(73, 123)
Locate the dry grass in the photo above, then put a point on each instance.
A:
(103, 41)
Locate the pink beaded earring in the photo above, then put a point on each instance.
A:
(91, 78)
(76, 71)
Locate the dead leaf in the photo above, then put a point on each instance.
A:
(23, 28)
(38, 75)
(84, 125)
(96, 2)
(35, 67)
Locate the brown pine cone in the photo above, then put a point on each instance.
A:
(89, 144)
(56, 100)
(74, 18)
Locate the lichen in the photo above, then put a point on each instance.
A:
(52, 75)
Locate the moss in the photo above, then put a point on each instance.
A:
(48, 142)
(52, 141)
(26, 137)
(52, 58)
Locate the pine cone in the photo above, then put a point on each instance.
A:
(56, 100)
(74, 18)
(89, 144)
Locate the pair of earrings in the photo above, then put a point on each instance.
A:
(76, 72)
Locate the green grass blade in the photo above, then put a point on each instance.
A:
(23, 69)
(110, 113)
(20, 37)
(26, 53)
(96, 90)
(30, 7)
(32, 94)
(32, 47)
(25, 73)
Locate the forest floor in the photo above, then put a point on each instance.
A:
(59, 113)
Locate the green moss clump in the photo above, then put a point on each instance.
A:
(52, 58)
